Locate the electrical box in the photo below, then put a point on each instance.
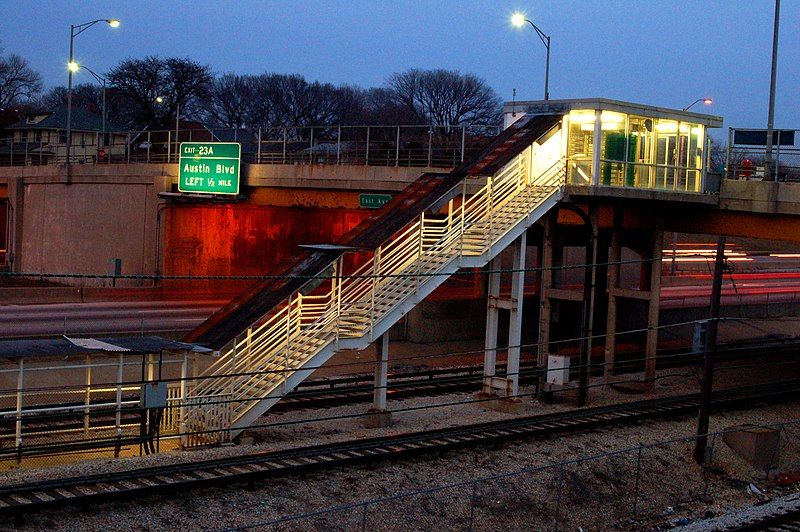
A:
(699, 338)
(115, 267)
(154, 395)
(557, 370)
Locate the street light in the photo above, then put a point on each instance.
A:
(72, 66)
(160, 99)
(102, 80)
(706, 101)
(519, 20)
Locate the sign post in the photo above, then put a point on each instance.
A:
(209, 167)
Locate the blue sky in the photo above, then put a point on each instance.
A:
(660, 52)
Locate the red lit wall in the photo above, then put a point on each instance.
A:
(239, 239)
(246, 239)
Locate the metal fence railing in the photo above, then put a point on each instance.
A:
(410, 145)
(746, 154)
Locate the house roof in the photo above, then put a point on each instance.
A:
(82, 120)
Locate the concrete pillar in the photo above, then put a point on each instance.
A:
(492, 318)
(652, 311)
(515, 320)
(378, 416)
(614, 258)
(545, 308)
(381, 372)
(507, 386)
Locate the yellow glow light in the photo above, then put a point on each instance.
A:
(518, 20)
(73, 66)
(114, 23)
(159, 99)
(690, 259)
(708, 101)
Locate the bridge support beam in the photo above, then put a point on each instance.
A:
(545, 307)
(557, 298)
(378, 416)
(654, 267)
(649, 292)
(505, 386)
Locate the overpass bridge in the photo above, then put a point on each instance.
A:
(566, 161)
(610, 177)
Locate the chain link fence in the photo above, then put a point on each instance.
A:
(645, 486)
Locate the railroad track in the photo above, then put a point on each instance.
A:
(21, 498)
(782, 514)
(333, 391)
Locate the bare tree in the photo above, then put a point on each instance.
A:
(137, 83)
(229, 100)
(18, 81)
(282, 100)
(381, 107)
(86, 95)
(445, 97)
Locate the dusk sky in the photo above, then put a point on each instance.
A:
(656, 52)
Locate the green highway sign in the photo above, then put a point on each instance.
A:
(373, 201)
(209, 167)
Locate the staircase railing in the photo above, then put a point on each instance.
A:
(259, 362)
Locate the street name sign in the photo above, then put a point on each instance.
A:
(373, 201)
(209, 167)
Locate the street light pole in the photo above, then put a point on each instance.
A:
(546, 69)
(69, 97)
(102, 80)
(74, 31)
(177, 124)
(519, 20)
(768, 173)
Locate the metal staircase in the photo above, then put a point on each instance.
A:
(349, 310)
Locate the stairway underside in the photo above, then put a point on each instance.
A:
(279, 331)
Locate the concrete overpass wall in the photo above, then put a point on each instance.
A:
(114, 211)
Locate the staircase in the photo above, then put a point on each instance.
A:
(351, 310)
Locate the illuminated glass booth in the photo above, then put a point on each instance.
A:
(640, 146)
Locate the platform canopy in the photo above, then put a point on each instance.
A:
(66, 346)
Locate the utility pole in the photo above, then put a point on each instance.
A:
(710, 352)
(769, 173)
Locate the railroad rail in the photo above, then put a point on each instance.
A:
(779, 514)
(20, 498)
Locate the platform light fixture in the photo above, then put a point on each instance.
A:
(518, 20)
(706, 101)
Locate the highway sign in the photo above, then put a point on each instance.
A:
(209, 167)
(373, 201)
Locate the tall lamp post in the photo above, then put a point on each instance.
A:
(160, 99)
(706, 101)
(519, 20)
(102, 80)
(768, 170)
(74, 31)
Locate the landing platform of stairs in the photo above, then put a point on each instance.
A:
(582, 192)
